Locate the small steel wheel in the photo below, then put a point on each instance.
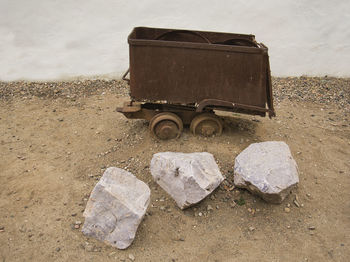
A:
(206, 124)
(166, 125)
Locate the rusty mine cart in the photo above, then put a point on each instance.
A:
(179, 77)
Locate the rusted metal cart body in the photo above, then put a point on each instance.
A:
(188, 74)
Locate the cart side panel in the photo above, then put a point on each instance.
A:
(189, 75)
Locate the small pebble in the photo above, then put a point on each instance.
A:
(209, 208)
(131, 257)
(251, 228)
(296, 203)
(311, 227)
(287, 209)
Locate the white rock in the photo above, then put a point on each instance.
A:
(186, 177)
(116, 207)
(266, 169)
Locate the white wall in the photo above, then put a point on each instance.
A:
(49, 40)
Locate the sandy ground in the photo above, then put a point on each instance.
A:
(53, 151)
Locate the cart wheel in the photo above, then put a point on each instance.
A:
(206, 124)
(166, 126)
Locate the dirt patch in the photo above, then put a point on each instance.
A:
(55, 146)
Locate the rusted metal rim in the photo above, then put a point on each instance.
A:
(183, 31)
(199, 46)
(238, 41)
(166, 126)
(206, 124)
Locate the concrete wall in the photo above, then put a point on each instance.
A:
(50, 40)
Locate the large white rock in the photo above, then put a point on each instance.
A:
(186, 177)
(266, 169)
(116, 207)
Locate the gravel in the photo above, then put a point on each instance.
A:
(323, 90)
(72, 89)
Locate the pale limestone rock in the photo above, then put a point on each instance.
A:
(186, 177)
(266, 169)
(116, 207)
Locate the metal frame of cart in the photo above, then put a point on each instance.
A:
(179, 77)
